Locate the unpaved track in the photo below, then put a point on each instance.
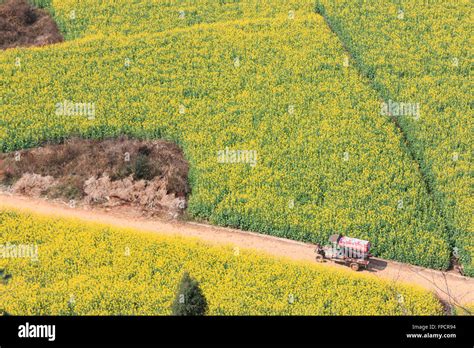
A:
(449, 287)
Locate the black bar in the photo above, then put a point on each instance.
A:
(242, 330)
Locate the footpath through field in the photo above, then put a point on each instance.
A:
(449, 287)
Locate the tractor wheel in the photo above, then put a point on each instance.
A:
(319, 258)
(355, 266)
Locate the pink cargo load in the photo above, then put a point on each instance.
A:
(355, 244)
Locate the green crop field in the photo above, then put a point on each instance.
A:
(421, 51)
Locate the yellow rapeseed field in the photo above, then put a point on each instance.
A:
(82, 268)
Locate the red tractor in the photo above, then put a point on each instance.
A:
(349, 251)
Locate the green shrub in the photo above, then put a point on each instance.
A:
(189, 299)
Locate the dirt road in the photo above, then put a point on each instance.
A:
(449, 287)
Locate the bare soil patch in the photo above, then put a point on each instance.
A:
(22, 25)
(149, 175)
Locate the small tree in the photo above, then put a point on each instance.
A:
(189, 300)
(4, 278)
